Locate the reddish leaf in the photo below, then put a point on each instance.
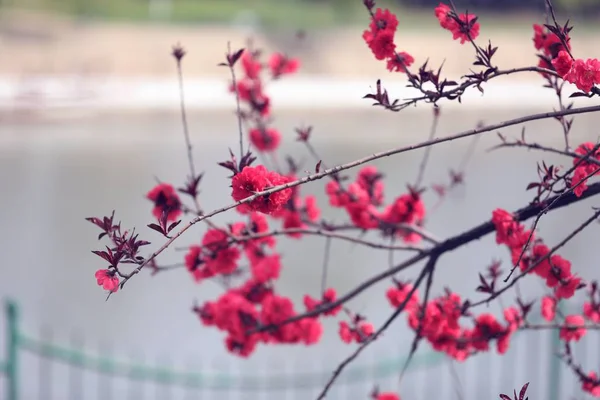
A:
(173, 225)
(157, 228)
(523, 391)
(232, 58)
(103, 255)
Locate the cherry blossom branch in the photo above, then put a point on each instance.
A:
(536, 146)
(325, 233)
(555, 326)
(553, 250)
(580, 160)
(427, 270)
(364, 160)
(469, 36)
(550, 8)
(419, 334)
(434, 97)
(567, 358)
(424, 234)
(446, 246)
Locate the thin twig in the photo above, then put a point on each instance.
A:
(543, 212)
(446, 246)
(566, 126)
(373, 337)
(325, 264)
(364, 160)
(422, 312)
(568, 238)
(433, 130)
(325, 233)
(468, 33)
(468, 154)
(433, 97)
(536, 146)
(186, 133)
(558, 326)
(557, 25)
(237, 103)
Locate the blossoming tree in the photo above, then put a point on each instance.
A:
(252, 311)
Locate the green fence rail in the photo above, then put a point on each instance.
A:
(18, 342)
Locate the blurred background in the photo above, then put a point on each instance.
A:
(89, 119)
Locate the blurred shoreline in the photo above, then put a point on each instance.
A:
(74, 97)
(63, 68)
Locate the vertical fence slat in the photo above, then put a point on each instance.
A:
(135, 381)
(191, 384)
(45, 389)
(12, 343)
(75, 370)
(163, 387)
(105, 378)
(554, 368)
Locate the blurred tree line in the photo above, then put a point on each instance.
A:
(492, 5)
(581, 7)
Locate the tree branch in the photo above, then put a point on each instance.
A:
(364, 160)
(446, 246)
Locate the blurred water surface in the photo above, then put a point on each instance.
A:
(54, 173)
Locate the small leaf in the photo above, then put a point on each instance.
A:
(504, 397)
(232, 58)
(532, 185)
(173, 225)
(156, 228)
(523, 391)
(578, 94)
(318, 167)
(104, 255)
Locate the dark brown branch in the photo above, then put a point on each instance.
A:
(588, 157)
(553, 250)
(448, 245)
